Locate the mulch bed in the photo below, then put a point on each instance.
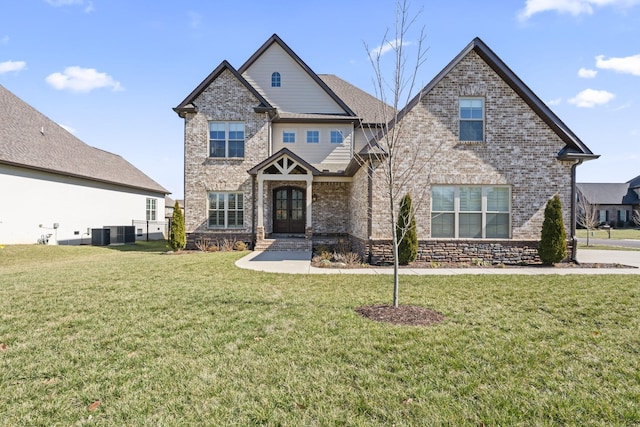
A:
(410, 315)
(471, 266)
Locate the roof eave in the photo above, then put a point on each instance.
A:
(188, 106)
(509, 77)
(160, 190)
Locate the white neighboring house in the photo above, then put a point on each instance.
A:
(56, 188)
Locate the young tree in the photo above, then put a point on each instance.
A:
(392, 161)
(587, 214)
(636, 217)
(553, 242)
(406, 230)
(177, 236)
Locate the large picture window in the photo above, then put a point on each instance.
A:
(226, 139)
(472, 119)
(226, 210)
(470, 212)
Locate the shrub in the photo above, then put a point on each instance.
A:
(325, 255)
(177, 236)
(226, 245)
(351, 258)
(323, 248)
(553, 241)
(203, 244)
(406, 232)
(240, 246)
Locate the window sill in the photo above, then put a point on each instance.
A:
(472, 142)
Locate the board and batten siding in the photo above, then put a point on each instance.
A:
(323, 154)
(298, 93)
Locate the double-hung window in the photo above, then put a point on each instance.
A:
(470, 212)
(226, 139)
(226, 210)
(471, 119)
(151, 209)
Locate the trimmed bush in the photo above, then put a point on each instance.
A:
(406, 232)
(177, 236)
(553, 242)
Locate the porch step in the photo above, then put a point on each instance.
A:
(284, 244)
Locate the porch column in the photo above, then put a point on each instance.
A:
(260, 208)
(309, 227)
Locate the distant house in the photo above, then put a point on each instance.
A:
(274, 150)
(55, 188)
(615, 202)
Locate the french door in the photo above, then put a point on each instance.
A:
(289, 209)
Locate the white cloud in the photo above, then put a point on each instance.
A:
(388, 46)
(586, 73)
(573, 7)
(9, 66)
(628, 64)
(556, 101)
(88, 4)
(78, 79)
(589, 98)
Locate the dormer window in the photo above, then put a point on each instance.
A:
(275, 79)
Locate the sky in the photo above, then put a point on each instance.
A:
(110, 71)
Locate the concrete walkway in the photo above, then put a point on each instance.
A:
(300, 263)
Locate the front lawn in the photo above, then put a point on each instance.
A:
(616, 233)
(96, 336)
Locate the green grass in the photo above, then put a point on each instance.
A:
(192, 340)
(616, 233)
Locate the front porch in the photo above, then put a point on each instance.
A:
(287, 181)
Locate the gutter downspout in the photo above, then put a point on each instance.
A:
(370, 171)
(574, 239)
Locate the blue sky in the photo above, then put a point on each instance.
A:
(111, 71)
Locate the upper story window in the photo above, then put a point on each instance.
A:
(336, 137)
(288, 136)
(275, 79)
(151, 209)
(226, 139)
(313, 136)
(471, 212)
(472, 119)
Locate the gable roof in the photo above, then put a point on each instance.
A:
(281, 153)
(187, 104)
(30, 139)
(608, 193)
(574, 148)
(277, 40)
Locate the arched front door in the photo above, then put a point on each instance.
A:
(289, 208)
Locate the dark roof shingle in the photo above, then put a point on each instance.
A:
(608, 193)
(366, 106)
(30, 139)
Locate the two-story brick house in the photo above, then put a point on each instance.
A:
(273, 149)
